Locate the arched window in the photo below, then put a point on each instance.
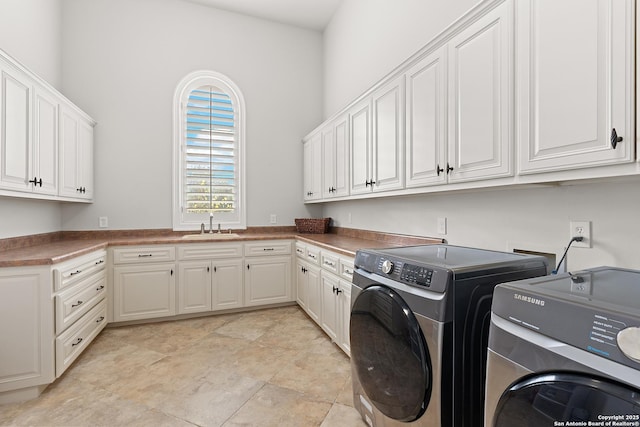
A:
(209, 115)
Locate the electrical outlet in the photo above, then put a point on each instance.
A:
(104, 221)
(273, 219)
(442, 225)
(583, 229)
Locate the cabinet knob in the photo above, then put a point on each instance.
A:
(338, 291)
(439, 170)
(615, 138)
(449, 168)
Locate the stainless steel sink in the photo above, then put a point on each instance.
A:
(210, 236)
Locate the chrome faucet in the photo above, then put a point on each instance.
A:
(210, 222)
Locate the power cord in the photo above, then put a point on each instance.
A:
(573, 239)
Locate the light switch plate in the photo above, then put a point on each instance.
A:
(442, 225)
(104, 222)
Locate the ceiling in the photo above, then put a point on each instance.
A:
(311, 14)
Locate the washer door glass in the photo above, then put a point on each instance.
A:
(555, 399)
(389, 353)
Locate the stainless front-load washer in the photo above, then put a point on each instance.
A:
(565, 351)
(419, 330)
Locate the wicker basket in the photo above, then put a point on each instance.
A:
(310, 225)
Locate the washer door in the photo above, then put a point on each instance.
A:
(544, 399)
(389, 353)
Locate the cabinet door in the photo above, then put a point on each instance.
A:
(76, 155)
(388, 136)
(194, 287)
(328, 161)
(69, 177)
(85, 159)
(268, 280)
(314, 293)
(26, 328)
(15, 132)
(426, 134)
(574, 87)
(335, 158)
(301, 284)
(343, 311)
(480, 98)
(360, 136)
(227, 284)
(313, 168)
(341, 139)
(45, 142)
(144, 291)
(329, 318)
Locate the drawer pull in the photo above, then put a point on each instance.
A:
(99, 262)
(73, 273)
(100, 319)
(77, 304)
(99, 288)
(311, 256)
(144, 255)
(77, 342)
(348, 271)
(268, 249)
(329, 263)
(300, 251)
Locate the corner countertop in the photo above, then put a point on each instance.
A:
(53, 248)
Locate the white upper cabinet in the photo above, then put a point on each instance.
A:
(426, 121)
(312, 165)
(575, 74)
(37, 125)
(15, 131)
(480, 98)
(360, 138)
(377, 140)
(335, 158)
(76, 155)
(45, 142)
(388, 136)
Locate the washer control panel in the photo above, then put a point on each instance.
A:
(410, 274)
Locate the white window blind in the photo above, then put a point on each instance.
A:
(210, 152)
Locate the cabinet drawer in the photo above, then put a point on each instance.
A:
(73, 271)
(313, 255)
(329, 261)
(208, 251)
(268, 247)
(346, 268)
(301, 250)
(139, 255)
(74, 340)
(74, 302)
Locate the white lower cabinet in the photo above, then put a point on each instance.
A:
(144, 291)
(209, 277)
(324, 290)
(308, 285)
(26, 332)
(48, 316)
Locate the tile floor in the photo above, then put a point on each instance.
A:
(272, 367)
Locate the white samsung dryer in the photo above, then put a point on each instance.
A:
(564, 350)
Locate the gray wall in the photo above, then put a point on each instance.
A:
(366, 40)
(122, 60)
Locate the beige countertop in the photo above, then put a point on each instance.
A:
(59, 247)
